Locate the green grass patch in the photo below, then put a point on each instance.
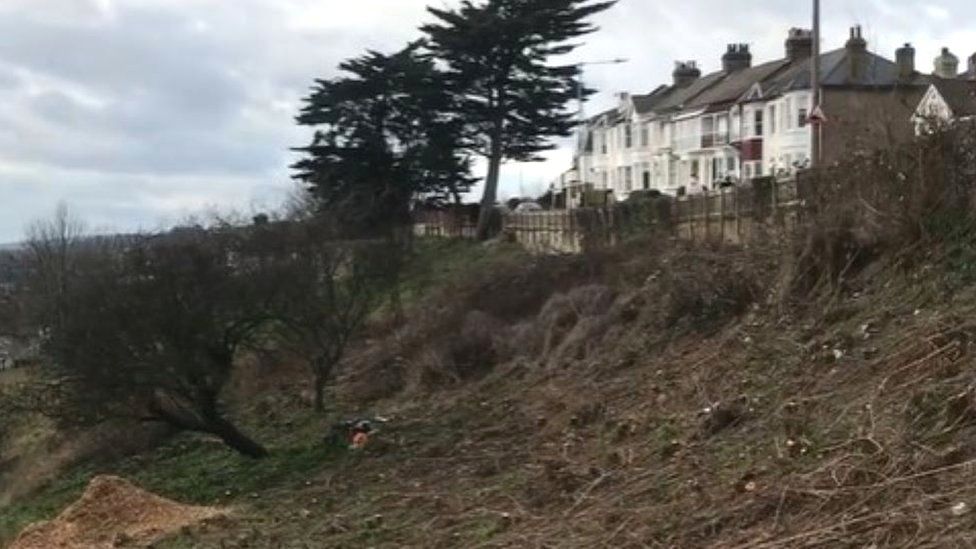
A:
(191, 468)
(437, 261)
(44, 505)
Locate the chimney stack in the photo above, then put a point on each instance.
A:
(856, 43)
(946, 65)
(905, 58)
(736, 58)
(857, 49)
(799, 44)
(971, 73)
(685, 72)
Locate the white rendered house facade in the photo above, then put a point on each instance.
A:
(733, 125)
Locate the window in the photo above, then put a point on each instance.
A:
(730, 164)
(758, 124)
(628, 136)
(707, 129)
(603, 143)
(628, 178)
(772, 119)
(645, 136)
(787, 117)
(715, 169)
(748, 170)
(708, 125)
(759, 170)
(694, 169)
(801, 121)
(647, 180)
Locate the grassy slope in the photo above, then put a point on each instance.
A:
(615, 449)
(196, 469)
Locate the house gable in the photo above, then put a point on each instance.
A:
(933, 105)
(755, 93)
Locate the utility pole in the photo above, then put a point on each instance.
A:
(817, 117)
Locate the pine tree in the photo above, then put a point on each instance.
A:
(497, 55)
(386, 134)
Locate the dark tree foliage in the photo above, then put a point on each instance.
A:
(152, 331)
(512, 99)
(386, 134)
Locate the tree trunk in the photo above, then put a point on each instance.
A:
(319, 392)
(485, 216)
(208, 422)
(321, 368)
(233, 437)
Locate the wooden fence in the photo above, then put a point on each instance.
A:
(446, 224)
(735, 215)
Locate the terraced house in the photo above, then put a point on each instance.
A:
(746, 121)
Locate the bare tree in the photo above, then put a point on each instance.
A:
(323, 289)
(53, 248)
(153, 330)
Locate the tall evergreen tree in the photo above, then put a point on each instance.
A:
(497, 53)
(386, 134)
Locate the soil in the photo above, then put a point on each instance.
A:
(113, 513)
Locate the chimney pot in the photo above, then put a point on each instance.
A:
(799, 44)
(737, 57)
(857, 49)
(946, 65)
(905, 59)
(685, 72)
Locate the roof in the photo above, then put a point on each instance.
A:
(959, 95)
(837, 70)
(646, 103)
(843, 67)
(612, 114)
(735, 84)
(679, 97)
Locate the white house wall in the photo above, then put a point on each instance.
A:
(694, 150)
(787, 142)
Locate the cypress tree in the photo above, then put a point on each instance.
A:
(386, 134)
(512, 99)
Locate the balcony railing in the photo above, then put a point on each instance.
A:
(716, 139)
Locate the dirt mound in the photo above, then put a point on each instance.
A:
(113, 513)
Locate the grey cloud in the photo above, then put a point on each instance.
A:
(140, 109)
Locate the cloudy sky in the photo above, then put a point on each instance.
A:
(140, 112)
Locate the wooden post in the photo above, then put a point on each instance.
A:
(738, 216)
(708, 221)
(774, 198)
(721, 227)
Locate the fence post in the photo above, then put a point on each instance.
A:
(775, 200)
(721, 226)
(708, 211)
(738, 217)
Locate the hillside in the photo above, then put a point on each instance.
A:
(656, 395)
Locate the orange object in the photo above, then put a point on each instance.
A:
(359, 440)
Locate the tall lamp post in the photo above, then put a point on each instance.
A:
(581, 113)
(817, 117)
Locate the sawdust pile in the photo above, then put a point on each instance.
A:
(113, 513)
